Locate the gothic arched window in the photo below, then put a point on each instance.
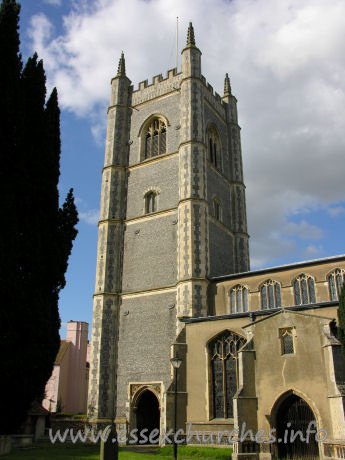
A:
(213, 145)
(287, 341)
(223, 352)
(270, 295)
(150, 202)
(155, 138)
(238, 299)
(304, 290)
(335, 283)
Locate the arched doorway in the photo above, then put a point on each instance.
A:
(295, 411)
(148, 414)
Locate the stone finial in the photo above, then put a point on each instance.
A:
(121, 70)
(190, 35)
(227, 87)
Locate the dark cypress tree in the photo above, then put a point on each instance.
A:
(36, 235)
(10, 126)
(341, 319)
(11, 273)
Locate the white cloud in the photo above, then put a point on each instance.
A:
(285, 60)
(53, 2)
(336, 211)
(312, 251)
(40, 31)
(303, 230)
(90, 217)
(98, 126)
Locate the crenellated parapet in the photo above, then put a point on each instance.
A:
(159, 87)
(213, 98)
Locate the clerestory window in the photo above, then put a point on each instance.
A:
(335, 283)
(270, 295)
(238, 299)
(304, 290)
(155, 138)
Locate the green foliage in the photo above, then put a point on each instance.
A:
(341, 319)
(69, 451)
(69, 415)
(36, 235)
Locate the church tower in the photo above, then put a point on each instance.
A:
(173, 216)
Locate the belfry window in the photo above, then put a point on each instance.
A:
(217, 209)
(238, 299)
(223, 352)
(155, 138)
(335, 283)
(150, 202)
(304, 290)
(213, 144)
(270, 295)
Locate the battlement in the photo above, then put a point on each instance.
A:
(158, 87)
(161, 86)
(210, 88)
(213, 97)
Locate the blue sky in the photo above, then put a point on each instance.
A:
(287, 69)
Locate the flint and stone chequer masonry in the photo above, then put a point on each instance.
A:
(172, 216)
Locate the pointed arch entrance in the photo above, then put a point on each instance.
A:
(293, 415)
(147, 413)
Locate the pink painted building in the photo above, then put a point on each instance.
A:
(66, 390)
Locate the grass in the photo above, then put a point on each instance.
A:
(44, 450)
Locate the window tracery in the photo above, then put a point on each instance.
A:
(223, 352)
(304, 290)
(335, 282)
(155, 138)
(238, 299)
(287, 341)
(270, 295)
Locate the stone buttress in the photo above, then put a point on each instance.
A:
(193, 207)
(102, 382)
(238, 200)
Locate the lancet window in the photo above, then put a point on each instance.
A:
(213, 145)
(150, 202)
(217, 209)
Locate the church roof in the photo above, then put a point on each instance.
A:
(289, 311)
(259, 313)
(277, 268)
